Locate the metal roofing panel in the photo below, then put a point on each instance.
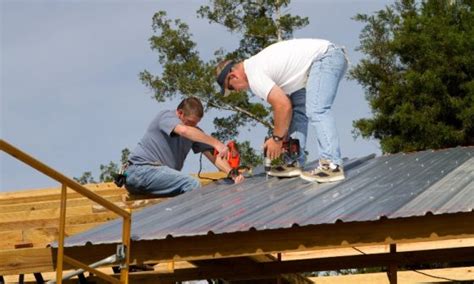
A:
(452, 192)
(393, 186)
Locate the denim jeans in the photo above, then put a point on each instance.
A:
(314, 104)
(158, 180)
(299, 125)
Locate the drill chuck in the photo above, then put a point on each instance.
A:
(268, 164)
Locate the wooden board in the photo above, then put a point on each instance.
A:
(32, 193)
(405, 277)
(25, 261)
(39, 205)
(32, 216)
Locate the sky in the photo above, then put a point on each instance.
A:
(70, 92)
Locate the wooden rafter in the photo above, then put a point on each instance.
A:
(406, 230)
(241, 269)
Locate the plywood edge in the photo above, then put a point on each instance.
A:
(22, 261)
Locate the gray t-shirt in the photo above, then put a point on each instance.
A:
(160, 144)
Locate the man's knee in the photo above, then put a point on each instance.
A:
(191, 184)
(315, 114)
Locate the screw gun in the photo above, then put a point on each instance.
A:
(291, 147)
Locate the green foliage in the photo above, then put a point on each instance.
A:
(248, 156)
(85, 178)
(259, 23)
(106, 171)
(418, 75)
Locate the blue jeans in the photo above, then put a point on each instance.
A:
(158, 180)
(314, 104)
(299, 125)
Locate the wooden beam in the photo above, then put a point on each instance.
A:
(39, 237)
(402, 230)
(293, 278)
(55, 196)
(10, 238)
(43, 213)
(405, 277)
(393, 266)
(32, 193)
(23, 261)
(237, 269)
(53, 221)
(61, 178)
(248, 261)
(71, 202)
(30, 279)
(41, 260)
(346, 251)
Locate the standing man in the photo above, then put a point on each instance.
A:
(309, 71)
(154, 166)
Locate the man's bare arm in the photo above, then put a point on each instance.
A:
(281, 105)
(196, 135)
(282, 112)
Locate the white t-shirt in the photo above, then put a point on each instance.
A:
(284, 64)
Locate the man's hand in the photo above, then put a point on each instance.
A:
(235, 175)
(223, 151)
(238, 179)
(274, 149)
(223, 166)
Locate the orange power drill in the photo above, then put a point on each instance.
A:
(233, 158)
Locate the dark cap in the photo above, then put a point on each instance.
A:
(222, 70)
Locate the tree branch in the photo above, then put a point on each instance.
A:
(230, 107)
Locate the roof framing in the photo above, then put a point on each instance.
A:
(385, 231)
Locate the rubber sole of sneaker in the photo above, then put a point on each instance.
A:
(312, 178)
(294, 173)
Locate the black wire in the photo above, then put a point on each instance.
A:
(414, 270)
(359, 250)
(200, 169)
(438, 277)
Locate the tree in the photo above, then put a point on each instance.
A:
(85, 178)
(259, 23)
(418, 75)
(107, 172)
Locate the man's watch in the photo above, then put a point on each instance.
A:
(277, 138)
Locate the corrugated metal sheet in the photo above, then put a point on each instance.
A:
(393, 186)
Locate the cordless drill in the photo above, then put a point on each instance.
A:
(233, 158)
(291, 147)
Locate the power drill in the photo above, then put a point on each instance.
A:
(291, 147)
(233, 158)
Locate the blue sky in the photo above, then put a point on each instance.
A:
(70, 92)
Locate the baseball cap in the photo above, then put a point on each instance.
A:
(222, 70)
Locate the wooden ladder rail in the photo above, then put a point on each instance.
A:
(70, 183)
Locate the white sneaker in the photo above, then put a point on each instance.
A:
(285, 171)
(325, 172)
